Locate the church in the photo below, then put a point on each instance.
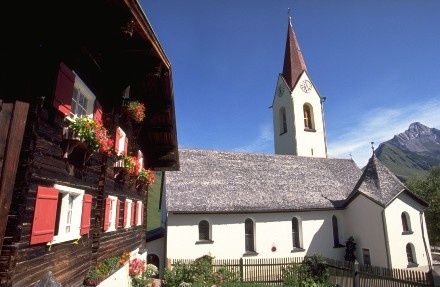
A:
(296, 202)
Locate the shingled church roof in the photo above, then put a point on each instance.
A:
(380, 184)
(217, 181)
(220, 182)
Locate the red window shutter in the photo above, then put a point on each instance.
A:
(126, 145)
(64, 90)
(133, 212)
(107, 213)
(97, 112)
(117, 138)
(118, 204)
(125, 213)
(85, 215)
(45, 213)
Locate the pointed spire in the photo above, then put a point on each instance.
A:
(294, 63)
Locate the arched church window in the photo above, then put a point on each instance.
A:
(296, 229)
(335, 232)
(406, 223)
(283, 121)
(204, 230)
(308, 117)
(249, 235)
(410, 254)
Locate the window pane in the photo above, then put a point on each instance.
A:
(204, 230)
(404, 222)
(57, 220)
(366, 256)
(295, 232)
(409, 253)
(249, 235)
(335, 231)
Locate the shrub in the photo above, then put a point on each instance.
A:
(199, 273)
(313, 272)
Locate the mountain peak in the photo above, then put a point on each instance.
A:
(418, 127)
(415, 150)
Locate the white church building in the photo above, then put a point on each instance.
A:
(297, 202)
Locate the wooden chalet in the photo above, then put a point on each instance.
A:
(64, 208)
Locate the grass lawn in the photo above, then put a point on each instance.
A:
(153, 212)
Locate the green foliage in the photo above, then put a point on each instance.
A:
(104, 268)
(313, 272)
(198, 274)
(84, 128)
(350, 248)
(404, 163)
(181, 272)
(145, 277)
(141, 281)
(428, 187)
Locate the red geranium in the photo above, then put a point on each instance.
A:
(137, 111)
(136, 267)
(105, 142)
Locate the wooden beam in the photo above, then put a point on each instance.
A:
(13, 139)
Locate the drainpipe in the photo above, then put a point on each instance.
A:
(424, 242)
(387, 242)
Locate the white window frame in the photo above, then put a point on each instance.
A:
(139, 213)
(112, 213)
(121, 143)
(128, 221)
(87, 93)
(75, 224)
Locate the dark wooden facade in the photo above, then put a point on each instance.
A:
(111, 46)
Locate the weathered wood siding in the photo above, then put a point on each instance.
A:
(41, 163)
(45, 166)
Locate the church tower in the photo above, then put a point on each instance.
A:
(298, 115)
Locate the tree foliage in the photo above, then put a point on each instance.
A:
(428, 187)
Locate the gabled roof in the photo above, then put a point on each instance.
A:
(380, 184)
(217, 181)
(294, 63)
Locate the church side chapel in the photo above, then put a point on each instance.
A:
(297, 202)
(86, 117)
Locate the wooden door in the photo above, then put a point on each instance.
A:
(12, 124)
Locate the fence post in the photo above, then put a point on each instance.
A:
(241, 269)
(356, 281)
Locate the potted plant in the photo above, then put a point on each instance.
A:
(136, 111)
(126, 165)
(145, 178)
(85, 133)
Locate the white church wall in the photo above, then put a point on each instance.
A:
(284, 143)
(271, 229)
(363, 220)
(398, 241)
(308, 140)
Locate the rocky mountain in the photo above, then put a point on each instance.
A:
(414, 151)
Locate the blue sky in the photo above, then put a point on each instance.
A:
(376, 62)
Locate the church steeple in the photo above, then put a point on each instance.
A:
(298, 112)
(294, 63)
